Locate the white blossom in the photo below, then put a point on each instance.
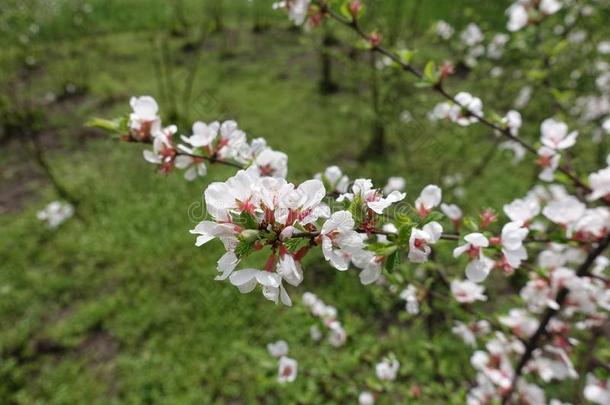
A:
(479, 266)
(555, 135)
(387, 369)
(55, 214)
(287, 370)
(278, 349)
(466, 291)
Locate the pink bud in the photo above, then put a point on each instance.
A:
(355, 7)
(374, 39)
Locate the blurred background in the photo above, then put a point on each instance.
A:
(117, 305)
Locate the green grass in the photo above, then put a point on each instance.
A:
(123, 308)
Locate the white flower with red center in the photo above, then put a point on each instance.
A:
(231, 142)
(340, 241)
(600, 184)
(144, 121)
(203, 135)
(430, 198)
(421, 239)
(188, 160)
(513, 235)
(597, 391)
(164, 153)
(522, 209)
(555, 135)
(240, 193)
(278, 349)
(548, 160)
(271, 163)
(287, 370)
(479, 266)
(520, 322)
(387, 369)
(466, 291)
(372, 198)
(337, 336)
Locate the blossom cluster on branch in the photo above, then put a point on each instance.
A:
(556, 234)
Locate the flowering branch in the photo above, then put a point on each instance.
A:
(560, 299)
(374, 41)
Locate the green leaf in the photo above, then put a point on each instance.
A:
(404, 233)
(422, 85)
(430, 72)
(116, 126)
(345, 12)
(392, 261)
(245, 219)
(244, 248)
(433, 216)
(471, 223)
(293, 244)
(406, 56)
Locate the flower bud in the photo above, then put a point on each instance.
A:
(355, 7)
(249, 235)
(374, 39)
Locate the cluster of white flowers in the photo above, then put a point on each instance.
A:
(328, 316)
(287, 367)
(524, 12)
(464, 111)
(249, 210)
(469, 332)
(257, 209)
(472, 38)
(55, 214)
(214, 142)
